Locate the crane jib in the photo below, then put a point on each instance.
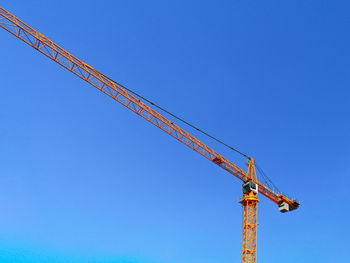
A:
(42, 44)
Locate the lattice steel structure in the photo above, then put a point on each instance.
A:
(250, 218)
(250, 224)
(45, 46)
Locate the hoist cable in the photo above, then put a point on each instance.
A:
(175, 116)
(264, 176)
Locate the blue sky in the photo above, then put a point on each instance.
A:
(85, 180)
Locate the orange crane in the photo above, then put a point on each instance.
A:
(251, 185)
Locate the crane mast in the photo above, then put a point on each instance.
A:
(251, 186)
(250, 216)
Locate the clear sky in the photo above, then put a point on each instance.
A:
(82, 179)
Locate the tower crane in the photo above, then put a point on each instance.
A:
(251, 185)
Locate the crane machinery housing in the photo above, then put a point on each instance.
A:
(251, 185)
